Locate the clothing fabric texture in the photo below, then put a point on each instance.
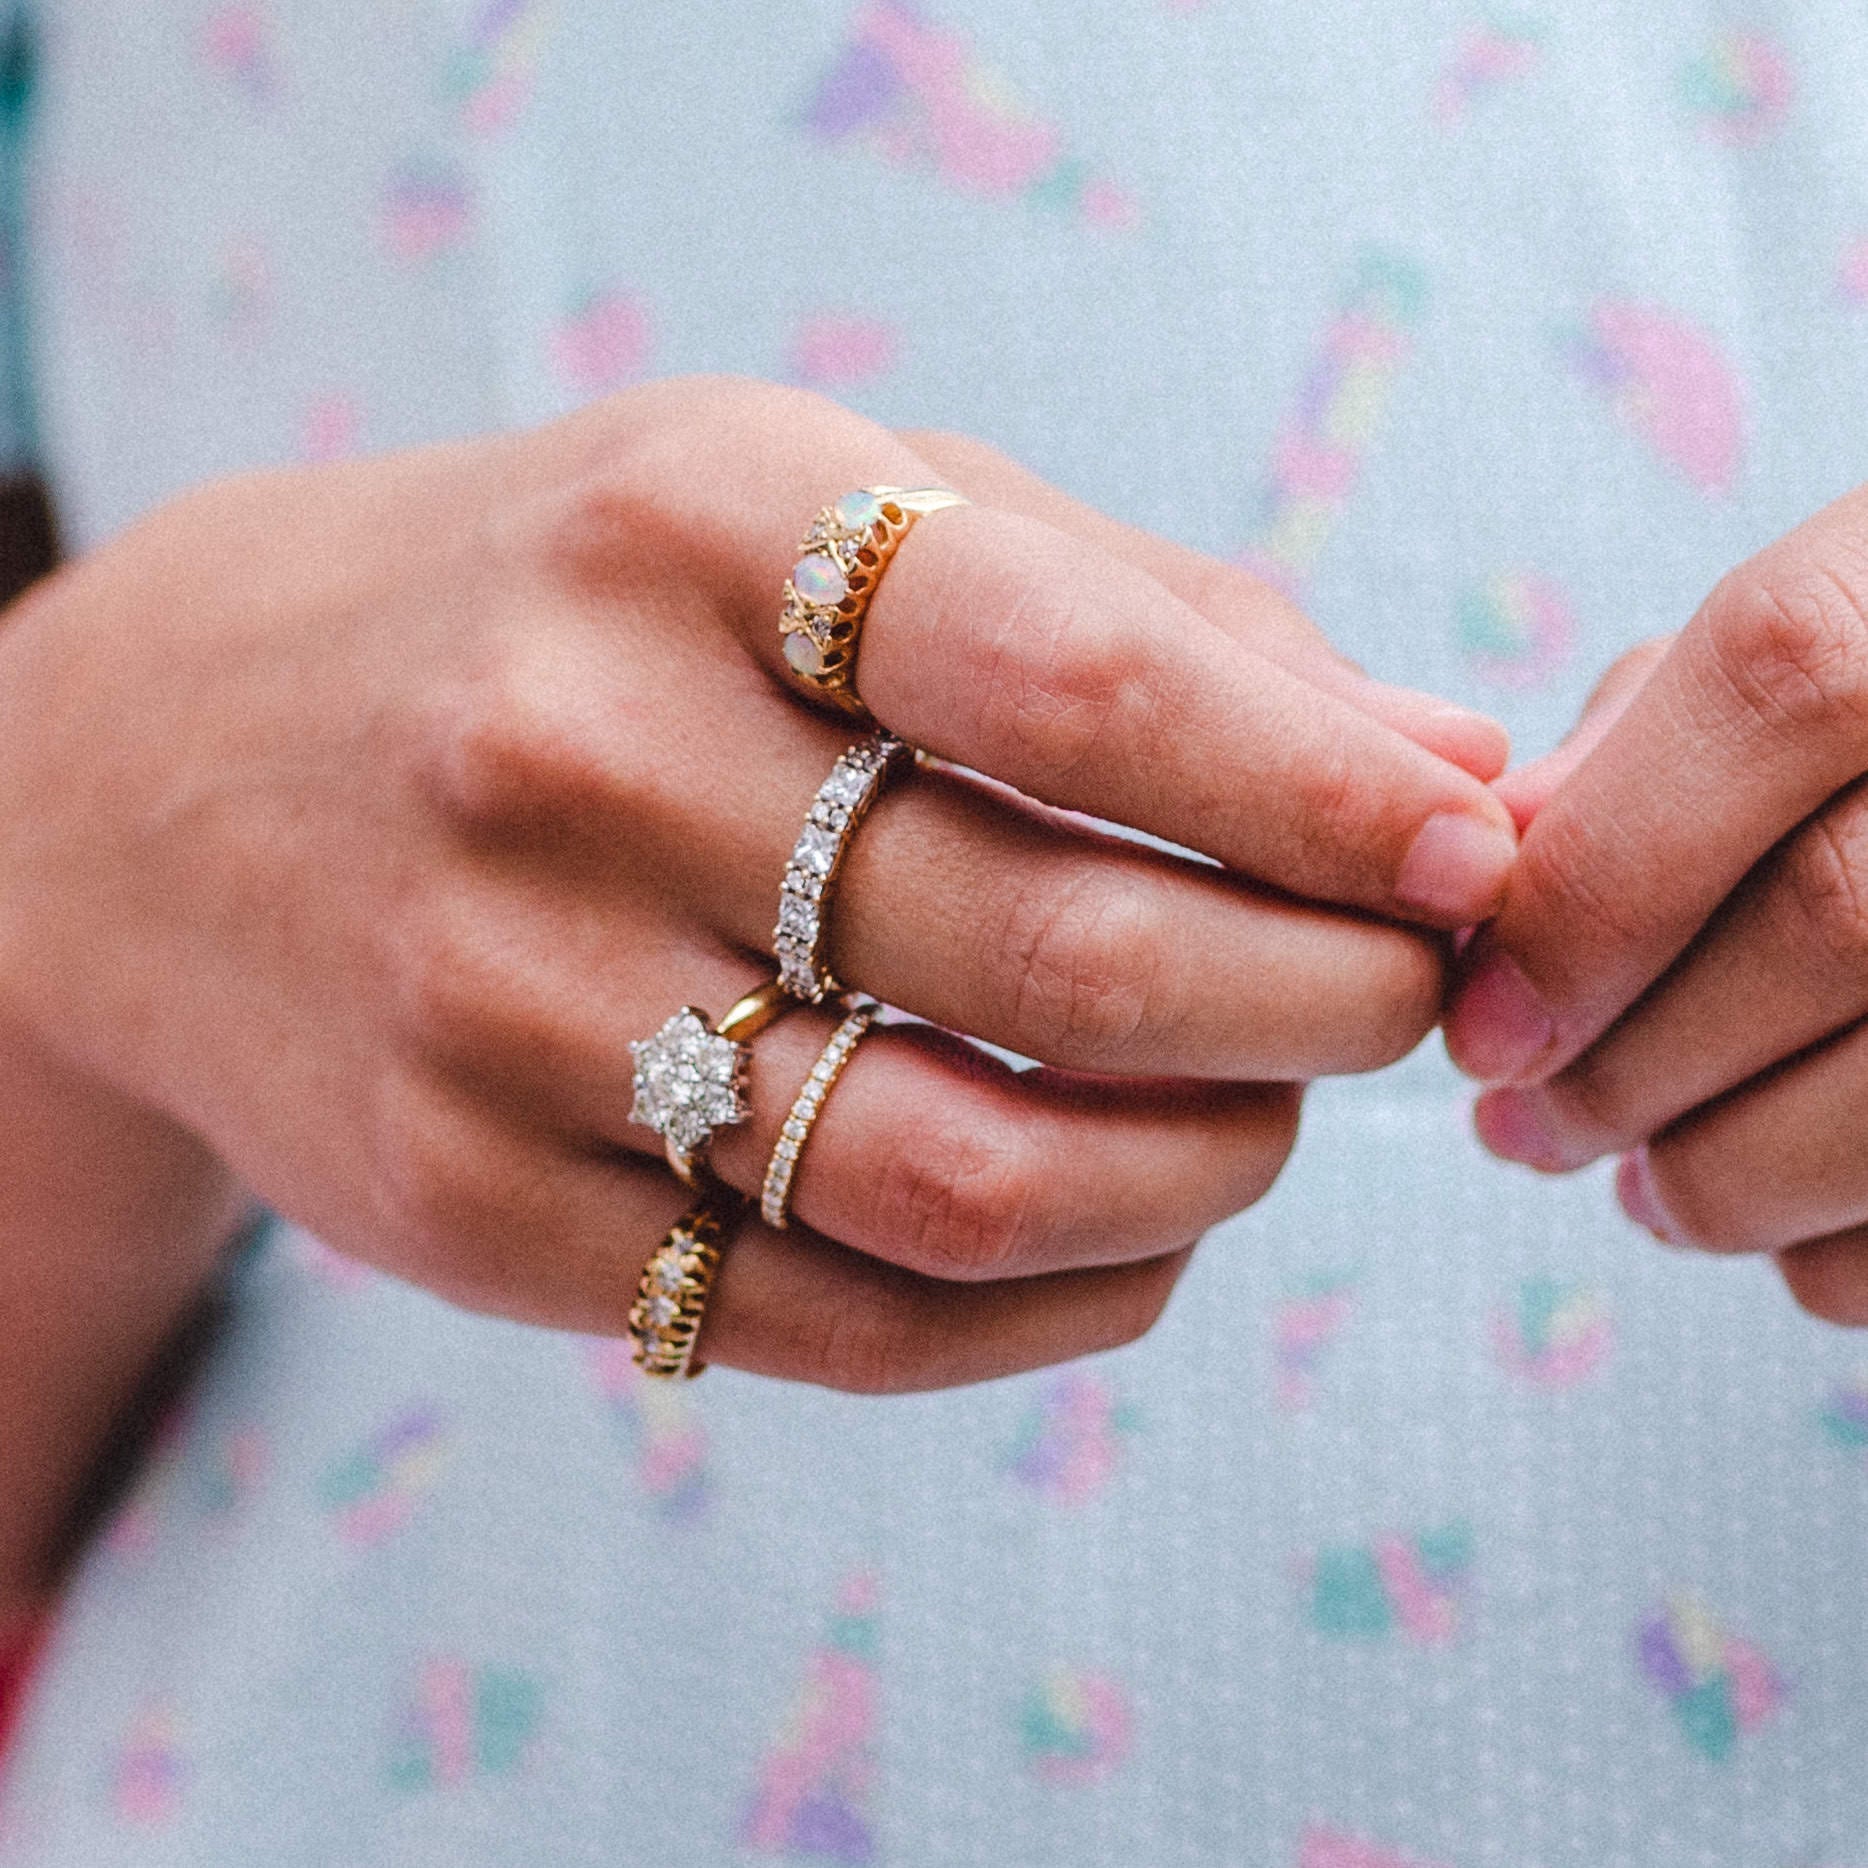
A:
(1444, 1522)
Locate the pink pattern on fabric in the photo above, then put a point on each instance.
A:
(1070, 1442)
(1489, 57)
(1305, 1326)
(837, 350)
(1077, 1726)
(1317, 458)
(147, 1787)
(1669, 382)
(1741, 88)
(1330, 1848)
(236, 42)
(816, 1784)
(332, 430)
(603, 342)
(921, 97)
(1852, 273)
(663, 1427)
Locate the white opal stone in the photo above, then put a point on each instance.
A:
(856, 512)
(818, 579)
(803, 654)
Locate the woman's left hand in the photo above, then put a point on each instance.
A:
(1680, 972)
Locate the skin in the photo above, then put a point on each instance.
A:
(1679, 975)
(356, 819)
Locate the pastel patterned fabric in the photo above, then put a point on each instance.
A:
(1444, 1522)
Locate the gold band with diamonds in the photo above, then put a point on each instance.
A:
(775, 1198)
(691, 1077)
(671, 1294)
(839, 567)
(842, 801)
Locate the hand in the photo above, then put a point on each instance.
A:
(1680, 972)
(359, 818)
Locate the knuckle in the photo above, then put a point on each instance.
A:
(1792, 643)
(1083, 958)
(444, 980)
(1401, 1001)
(961, 1197)
(872, 1347)
(515, 749)
(1138, 1302)
(1824, 888)
(436, 1203)
(1829, 1281)
(1057, 681)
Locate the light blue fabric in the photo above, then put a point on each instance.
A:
(1443, 1522)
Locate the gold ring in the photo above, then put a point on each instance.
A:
(671, 1294)
(839, 567)
(842, 801)
(692, 1076)
(775, 1199)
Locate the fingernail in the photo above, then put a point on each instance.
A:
(1498, 1027)
(1516, 1126)
(1640, 1198)
(1456, 867)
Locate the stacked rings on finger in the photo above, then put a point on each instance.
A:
(837, 573)
(691, 1077)
(842, 801)
(775, 1198)
(671, 1295)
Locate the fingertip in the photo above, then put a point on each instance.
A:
(1455, 870)
(1473, 741)
(1497, 1028)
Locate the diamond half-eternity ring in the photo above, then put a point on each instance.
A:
(672, 1292)
(775, 1197)
(810, 877)
(691, 1077)
(837, 573)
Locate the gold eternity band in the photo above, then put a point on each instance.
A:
(775, 1198)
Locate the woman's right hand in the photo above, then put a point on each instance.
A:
(358, 818)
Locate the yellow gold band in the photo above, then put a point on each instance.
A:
(672, 1292)
(839, 568)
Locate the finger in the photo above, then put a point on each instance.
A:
(495, 1223)
(1829, 1277)
(1088, 951)
(1790, 947)
(957, 902)
(1781, 1160)
(1527, 790)
(935, 1156)
(1004, 645)
(804, 1310)
(1750, 722)
(929, 1153)
(1247, 608)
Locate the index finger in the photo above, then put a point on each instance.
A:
(1751, 721)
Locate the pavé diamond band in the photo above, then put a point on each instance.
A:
(775, 1198)
(839, 567)
(671, 1294)
(691, 1077)
(842, 801)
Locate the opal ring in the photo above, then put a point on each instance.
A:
(671, 1294)
(775, 1197)
(828, 593)
(691, 1077)
(842, 801)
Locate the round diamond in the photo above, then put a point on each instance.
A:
(818, 579)
(803, 654)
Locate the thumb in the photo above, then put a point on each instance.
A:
(1527, 790)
